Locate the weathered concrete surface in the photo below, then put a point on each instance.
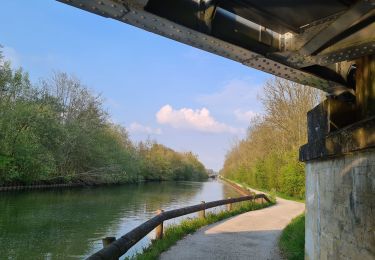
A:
(252, 235)
(340, 207)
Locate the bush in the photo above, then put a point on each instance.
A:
(292, 178)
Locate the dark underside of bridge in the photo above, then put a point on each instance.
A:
(312, 42)
(326, 44)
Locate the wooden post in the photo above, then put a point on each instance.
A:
(108, 240)
(202, 213)
(159, 229)
(229, 206)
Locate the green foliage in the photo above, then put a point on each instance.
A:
(58, 131)
(268, 157)
(292, 179)
(292, 239)
(176, 232)
(272, 194)
(161, 163)
(282, 173)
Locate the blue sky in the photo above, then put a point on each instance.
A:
(180, 96)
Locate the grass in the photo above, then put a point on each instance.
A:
(176, 232)
(292, 239)
(285, 196)
(271, 193)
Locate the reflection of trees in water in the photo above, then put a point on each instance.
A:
(56, 223)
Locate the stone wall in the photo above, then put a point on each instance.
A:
(340, 204)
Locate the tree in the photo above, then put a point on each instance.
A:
(59, 131)
(267, 157)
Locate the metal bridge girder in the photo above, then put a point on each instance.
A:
(316, 54)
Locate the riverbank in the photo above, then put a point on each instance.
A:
(272, 193)
(91, 181)
(62, 185)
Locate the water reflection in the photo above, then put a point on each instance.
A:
(69, 224)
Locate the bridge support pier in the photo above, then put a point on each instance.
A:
(340, 173)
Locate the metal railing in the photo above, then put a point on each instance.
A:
(116, 248)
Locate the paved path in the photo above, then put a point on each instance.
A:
(252, 235)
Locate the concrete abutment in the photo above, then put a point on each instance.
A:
(340, 207)
(340, 173)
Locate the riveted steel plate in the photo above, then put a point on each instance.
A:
(287, 63)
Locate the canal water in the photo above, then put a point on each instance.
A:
(69, 223)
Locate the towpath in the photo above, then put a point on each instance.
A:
(252, 235)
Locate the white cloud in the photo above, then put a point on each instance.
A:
(142, 129)
(245, 116)
(199, 120)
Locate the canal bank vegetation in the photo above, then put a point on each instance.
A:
(271, 193)
(292, 239)
(57, 131)
(267, 158)
(174, 233)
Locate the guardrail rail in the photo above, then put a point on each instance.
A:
(114, 249)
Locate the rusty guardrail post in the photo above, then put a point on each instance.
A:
(159, 229)
(107, 241)
(229, 205)
(202, 213)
